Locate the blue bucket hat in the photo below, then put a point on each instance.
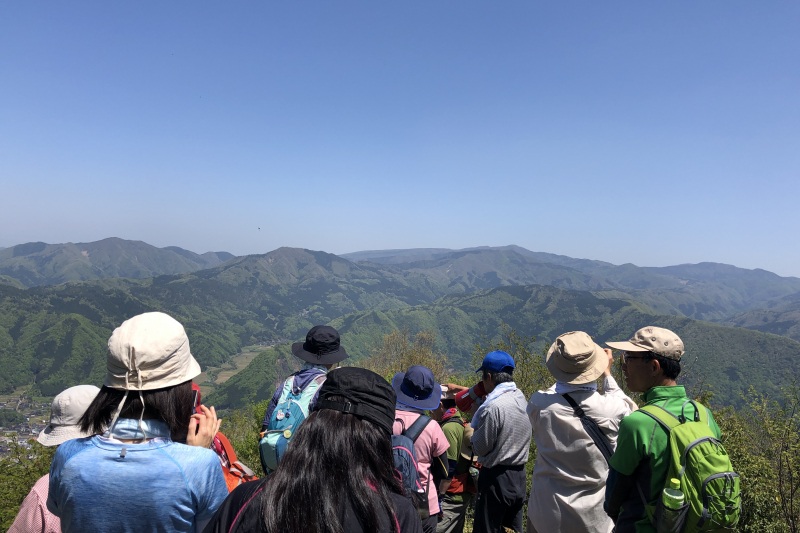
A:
(417, 388)
(497, 361)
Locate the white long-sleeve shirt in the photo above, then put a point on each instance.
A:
(570, 473)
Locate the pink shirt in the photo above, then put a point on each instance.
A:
(33, 516)
(430, 443)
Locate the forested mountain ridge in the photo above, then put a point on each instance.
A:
(262, 299)
(36, 263)
(706, 291)
(55, 336)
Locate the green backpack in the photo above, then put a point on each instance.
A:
(700, 462)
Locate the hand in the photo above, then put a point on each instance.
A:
(607, 371)
(203, 427)
(455, 388)
(467, 400)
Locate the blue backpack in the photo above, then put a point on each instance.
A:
(405, 462)
(290, 412)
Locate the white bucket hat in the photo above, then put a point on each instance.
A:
(65, 415)
(149, 351)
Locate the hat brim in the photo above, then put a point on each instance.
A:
(587, 376)
(431, 402)
(327, 359)
(626, 346)
(54, 435)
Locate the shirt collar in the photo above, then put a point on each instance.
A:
(664, 393)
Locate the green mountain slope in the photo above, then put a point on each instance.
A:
(252, 300)
(721, 359)
(781, 317)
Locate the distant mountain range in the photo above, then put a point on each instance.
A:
(35, 263)
(707, 291)
(54, 333)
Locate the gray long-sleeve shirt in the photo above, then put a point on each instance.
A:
(504, 434)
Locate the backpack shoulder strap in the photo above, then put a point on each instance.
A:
(243, 470)
(416, 429)
(288, 388)
(666, 419)
(317, 380)
(227, 446)
(315, 383)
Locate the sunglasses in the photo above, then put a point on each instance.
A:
(627, 357)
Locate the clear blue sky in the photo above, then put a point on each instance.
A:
(652, 133)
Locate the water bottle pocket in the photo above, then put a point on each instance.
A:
(670, 520)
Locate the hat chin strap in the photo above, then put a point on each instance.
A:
(132, 363)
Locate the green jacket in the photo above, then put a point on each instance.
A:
(641, 461)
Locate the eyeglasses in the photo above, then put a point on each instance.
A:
(627, 357)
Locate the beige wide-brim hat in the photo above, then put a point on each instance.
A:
(575, 358)
(65, 415)
(149, 351)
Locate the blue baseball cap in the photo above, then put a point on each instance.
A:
(497, 361)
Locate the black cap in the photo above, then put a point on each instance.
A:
(366, 395)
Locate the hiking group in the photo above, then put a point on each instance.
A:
(344, 450)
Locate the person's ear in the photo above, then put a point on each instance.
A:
(655, 366)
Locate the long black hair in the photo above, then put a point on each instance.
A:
(334, 457)
(172, 405)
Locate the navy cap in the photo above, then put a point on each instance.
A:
(497, 361)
